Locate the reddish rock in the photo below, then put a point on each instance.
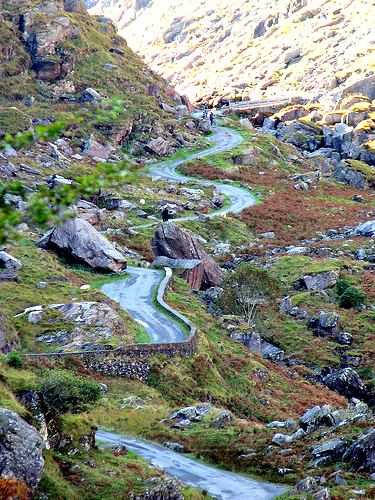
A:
(170, 241)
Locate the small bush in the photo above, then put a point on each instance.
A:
(63, 392)
(341, 286)
(15, 360)
(352, 298)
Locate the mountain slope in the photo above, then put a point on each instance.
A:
(284, 47)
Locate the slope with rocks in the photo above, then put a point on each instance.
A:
(60, 64)
(256, 48)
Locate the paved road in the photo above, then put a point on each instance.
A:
(135, 294)
(220, 484)
(224, 139)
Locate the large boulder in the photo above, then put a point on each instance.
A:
(365, 229)
(361, 454)
(158, 147)
(316, 417)
(325, 324)
(97, 151)
(21, 450)
(79, 240)
(170, 241)
(347, 383)
(329, 451)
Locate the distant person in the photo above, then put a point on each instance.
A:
(212, 118)
(205, 114)
(165, 214)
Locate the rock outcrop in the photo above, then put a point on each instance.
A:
(170, 241)
(319, 281)
(347, 383)
(21, 450)
(79, 240)
(85, 325)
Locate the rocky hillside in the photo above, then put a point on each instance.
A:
(257, 48)
(59, 63)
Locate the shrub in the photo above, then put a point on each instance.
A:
(14, 359)
(352, 298)
(349, 295)
(341, 286)
(63, 392)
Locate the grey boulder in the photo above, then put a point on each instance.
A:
(79, 240)
(21, 450)
(7, 261)
(361, 454)
(365, 229)
(319, 281)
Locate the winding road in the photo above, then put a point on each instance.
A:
(223, 139)
(135, 295)
(220, 484)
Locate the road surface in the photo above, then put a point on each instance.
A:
(220, 484)
(224, 139)
(135, 294)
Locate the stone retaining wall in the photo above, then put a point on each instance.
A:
(131, 361)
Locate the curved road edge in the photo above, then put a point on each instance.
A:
(224, 139)
(220, 484)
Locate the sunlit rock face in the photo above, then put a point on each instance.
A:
(288, 47)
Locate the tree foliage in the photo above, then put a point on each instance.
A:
(246, 290)
(63, 392)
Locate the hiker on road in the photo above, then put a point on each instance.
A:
(165, 214)
(212, 118)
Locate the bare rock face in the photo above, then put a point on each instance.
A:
(86, 325)
(170, 241)
(75, 6)
(159, 147)
(21, 450)
(79, 240)
(45, 41)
